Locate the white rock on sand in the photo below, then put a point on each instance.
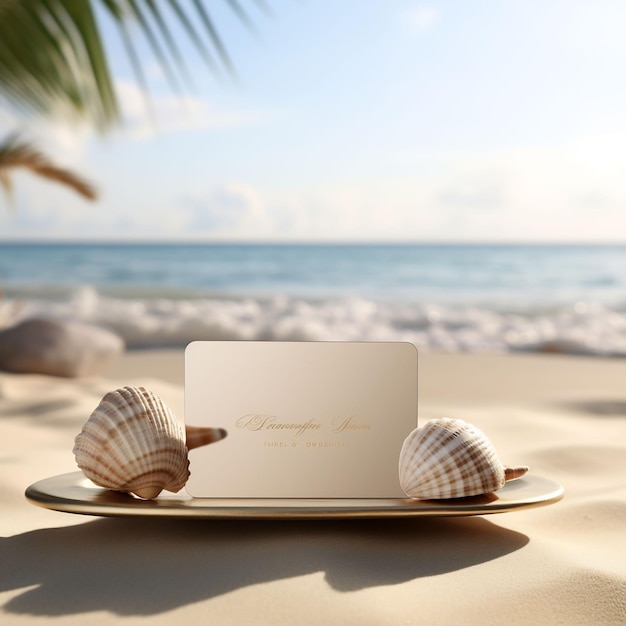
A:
(57, 348)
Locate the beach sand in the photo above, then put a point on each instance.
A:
(564, 563)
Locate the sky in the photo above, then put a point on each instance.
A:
(358, 120)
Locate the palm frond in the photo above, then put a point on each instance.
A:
(53, 60)
(16, 153)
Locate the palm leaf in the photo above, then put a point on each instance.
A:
(52, 58)
(16, 153)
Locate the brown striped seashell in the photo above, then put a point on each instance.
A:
(449, 458)
(132, 442)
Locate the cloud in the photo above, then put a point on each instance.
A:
(568, 192)
(145, 118)
(572, 191)
(422, 19)
(474, 191)
(594, 198)
(533, 193)
(229, 209)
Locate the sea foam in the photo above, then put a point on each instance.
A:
(581, 328)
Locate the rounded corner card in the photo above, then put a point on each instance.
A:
(304, 419)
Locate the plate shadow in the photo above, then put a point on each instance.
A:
(148, 566)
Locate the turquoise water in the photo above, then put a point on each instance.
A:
(496, 275)
(456, 297)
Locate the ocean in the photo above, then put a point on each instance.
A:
(486, 298)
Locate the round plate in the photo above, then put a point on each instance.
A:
(73, 493)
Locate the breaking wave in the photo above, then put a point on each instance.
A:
(155, 321)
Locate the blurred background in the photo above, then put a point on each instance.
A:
(445, 173)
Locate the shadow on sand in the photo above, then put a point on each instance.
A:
(145, 567)
(599, 408)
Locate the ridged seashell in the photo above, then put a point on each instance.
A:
(449, 458)
(133, 443)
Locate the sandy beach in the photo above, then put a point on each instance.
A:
(560, 564)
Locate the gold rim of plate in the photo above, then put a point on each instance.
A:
(73, 493)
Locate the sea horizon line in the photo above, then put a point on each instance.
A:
(311, 242)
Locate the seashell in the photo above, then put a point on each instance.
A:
(449, 458)
(132, 442)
